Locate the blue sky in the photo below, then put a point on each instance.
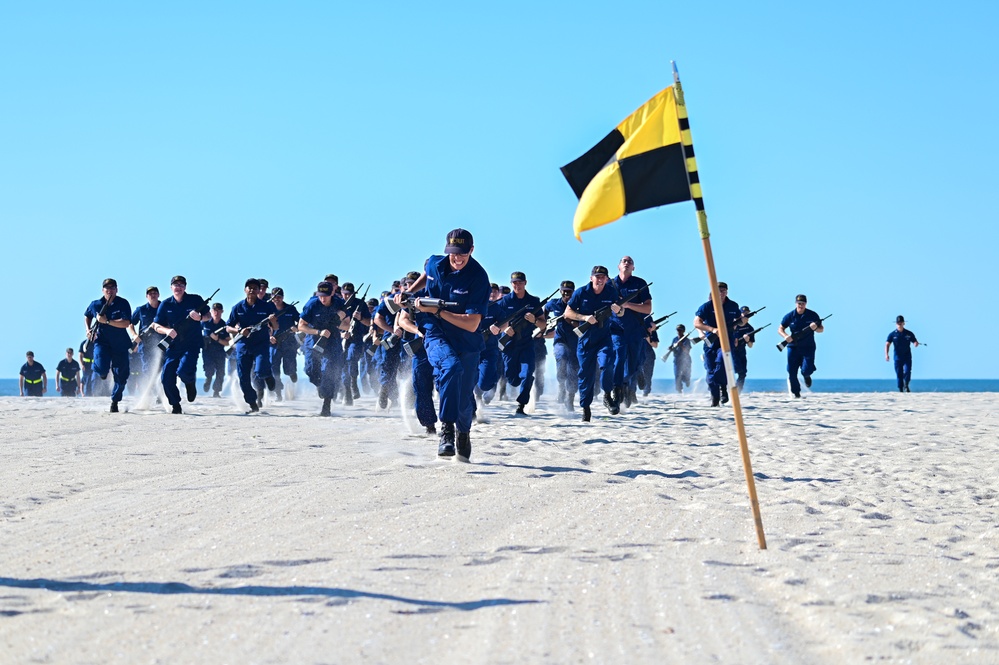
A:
(846, 151)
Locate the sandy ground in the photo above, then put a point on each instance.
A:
(216, 537)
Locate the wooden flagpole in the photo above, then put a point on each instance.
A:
(702, 224)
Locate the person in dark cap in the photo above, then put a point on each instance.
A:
(743, 338)
(518, 354)
(263, 292)
(680, 346)
(368, 368)
(323, 318)
(32, 381)
(451, 336)
(628, 330)
(564, 344)
(66, 372)
(358, 322)
(147, 339)
(489, 357)
(179, 318)
(594, 346)
(253, 347)
(902, 339)
(113, 338)
(422, 372)
(284, 345)
(801, 352)
(213, 361)
(648, 356)
(714, 361)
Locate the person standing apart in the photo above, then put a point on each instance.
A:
(176, 318)
(801, 351)
(112, 341)
(902, 339)
(32, 381)
(66, 373)
(451, 336)
(682, 364)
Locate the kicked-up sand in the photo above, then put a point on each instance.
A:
(283, 537)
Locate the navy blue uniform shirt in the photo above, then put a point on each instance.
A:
(510, 305)
(319, 317)
(794, 322)
(902, 341)
(32, 372)
(67, 368)
(564, 328)
(119, 310)
(245, 315)
(630, 323)
(732, 313)
(173, 314)
(586, 301)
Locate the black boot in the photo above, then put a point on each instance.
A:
(383, 397)
(270, 383)
(355, 391)
(446, 447)
(464, 446)
(586, 414)
(192, 391)
(611, 404)
(724, 395)
(114, 406)
(176, 409)
(326, 407)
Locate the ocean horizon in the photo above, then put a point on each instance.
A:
(9, 387)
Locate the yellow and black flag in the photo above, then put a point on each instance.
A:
(647, 161)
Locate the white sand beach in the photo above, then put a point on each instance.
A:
(216, 537)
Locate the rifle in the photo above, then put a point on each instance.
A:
(244, 333)
(754, 331)
(604, 313)
(94, 328)
(409, 301)
(353, 321)
(712, 338)
(517, 320)
(672, 347)
(549, 326)
(655, 324)
(164, 344)
(794, 337)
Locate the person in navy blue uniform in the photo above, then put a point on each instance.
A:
(564, 344)
(628, 330)
(214, 359)
(714, 361)
(595, 344)
(87, 362)
(648, 365)
(178, 317)
(32, 381)
(321, 319)
(743, 338)
(253, 349)
(903, 340)
(682, 363)
(422, 370)
(66, 376)
(142, 320)
(368, 367)
(388, 352)
(359, 321)
(800, 353)
(518, 356)
(451, 336)
(284, 346)
(112, 341)
(489, 357)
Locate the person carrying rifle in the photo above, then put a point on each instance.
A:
(801, 344)
(648, 362)
(359, 321)
(284, 346)
(176, 318)
(252, 321)
(714, 363)
(111, 339)
(680, 347)
(587, 304)
(564, 345)
(388, 352)
(368, 371)
(422, 371)
(902, 339)
(628, 330)
(142, 320)
(519, 354)
(489, 358)
(322, 318)
(214, 359)
(451, 336)
(742, 339)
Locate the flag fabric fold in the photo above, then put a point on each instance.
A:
(643, 163)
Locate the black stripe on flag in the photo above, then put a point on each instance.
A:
(654, 178)
(580, 172)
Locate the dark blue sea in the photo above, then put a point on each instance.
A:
(8, 387)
